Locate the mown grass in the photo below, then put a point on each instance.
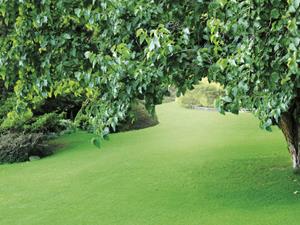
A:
(194, 168)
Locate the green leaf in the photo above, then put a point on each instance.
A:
(296, 3)
(87, 54)
(275, 13)
(67, 36)
(227, 99)
(96, 141)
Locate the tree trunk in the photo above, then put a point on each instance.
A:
(290, 127)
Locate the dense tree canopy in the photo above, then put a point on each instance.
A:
(116, 51)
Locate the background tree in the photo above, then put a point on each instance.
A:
(114, 52)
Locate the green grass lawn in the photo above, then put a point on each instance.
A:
(194, 168)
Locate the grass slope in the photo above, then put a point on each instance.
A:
(195, 168)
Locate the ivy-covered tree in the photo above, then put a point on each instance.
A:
(116, 51)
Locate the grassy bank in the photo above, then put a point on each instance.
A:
(193, 168)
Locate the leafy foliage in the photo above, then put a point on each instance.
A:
(7, 105)
(27, 122)
(171, 95)
(46, 123)
(16, 122)
(203, 94)
(115, 52)
(138, 118)
(82, 121)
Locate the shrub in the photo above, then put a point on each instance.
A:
(171, 95)
(204, 94)
(7, 105)
(15, 122)
(68, 126)
(29, 123)
(47, 123)
(139, 118)
(82, 121)
(68, 104)
(16, 147)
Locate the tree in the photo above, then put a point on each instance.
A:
(116, 51)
